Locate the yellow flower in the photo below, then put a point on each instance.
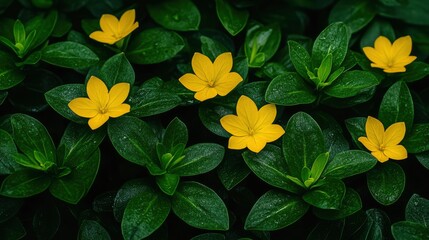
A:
(211, 79)
(384, 144)
(251, 128)
(101, 103)
(392, 58)
(114, 30)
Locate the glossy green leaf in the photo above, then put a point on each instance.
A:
(179, 15)
(270, 166)
(117, 69)
(350, 205)
(377, 27)
(417, 140)
(199, 158)
(144, 214)
(289, 89)
(386, 182)
(417, 210)
(43, 24)
(351, 83)
(135, 141)
(9, 207)
(330, 195)
(58, 98)
(10, 75)
(233, 20)
(209, 236)
(335, 140)
(413, 12)
(168, 183)
(275, 210)
(349, 163)
(46, 221)
(200, 207)
(375, 226)
(90, 228)
(175, 133)
(212, 48)
(319, 165)
(397, 106)
(69, 55)
(356, 128)
(355, 17)
(300, 58)
(303, 143)
(232, 170)
(406, 230)
(7, 151)
(333, 39)
(210, 116)
(25, 183)
(261, 43)
(423, 158)
(3, 96)
(415, 71)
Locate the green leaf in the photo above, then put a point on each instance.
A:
(43, 24)
(397, 106)
(175, 133)
(200, 207)
(378, 27)
(275, 210)
(127, 192)
(356, 128)
(152, 99)
(69, 55)
(154, 45)
(117, 69)
(90, 228)
(211, 114)
(303, 143)
(406, 230)
(349, 163)
(350, 205)
(209, 236)
(325, 68)
(79, 144)
(417, 210)
(261, 43)
(386, 182)
(351, 83)
(232, 171)
(7, 151)
(413, 12)
(30, 135)
(24, 183)
(9, 207)
(326, 230)
(135, 141)
(58, 98)
(46, 221)
(270, 166)
(168, 183)
(212, 48)
(144, 214)
(355, 17)
(417, 140)
(375, 226)
(415, 71)
(232, 19)
(300, 58)
(178, 15)
(10, 75)
(330, 195)
(12, 229)
(289, 89)
(3, 96)
(199, 158)
(333, 39)
(423, 158)
(319, 165)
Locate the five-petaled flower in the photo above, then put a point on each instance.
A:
(251, 128)
(392, 58)
(114, 30)
(384, 144)
(101, 103)
(211, 79)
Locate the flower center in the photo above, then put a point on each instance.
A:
(251, 131)
(103, 110)
(382, 147)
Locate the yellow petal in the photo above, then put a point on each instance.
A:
(374, 56)
(270, 133)
(368, 144)
(205, 94)
(394, 134)
(383, 46)
(127, 31)
(237, 143)
(127, 24)
(118, 93)
(374, 130)
(401, 47)
(192, 82)
(103, 37)
(222, 64)
(247, 111)
(255, 144)
(234, 125)
(97, 91)
(397, 152)
(227, 83)
(83, 107)
(266, 116)
(394, 69)
(109, 24)
(98, 121)
(404, 61)
(380, 156)
(382, 66)
(202, 67)
(118, 110)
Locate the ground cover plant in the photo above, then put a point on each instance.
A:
(213, 120)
